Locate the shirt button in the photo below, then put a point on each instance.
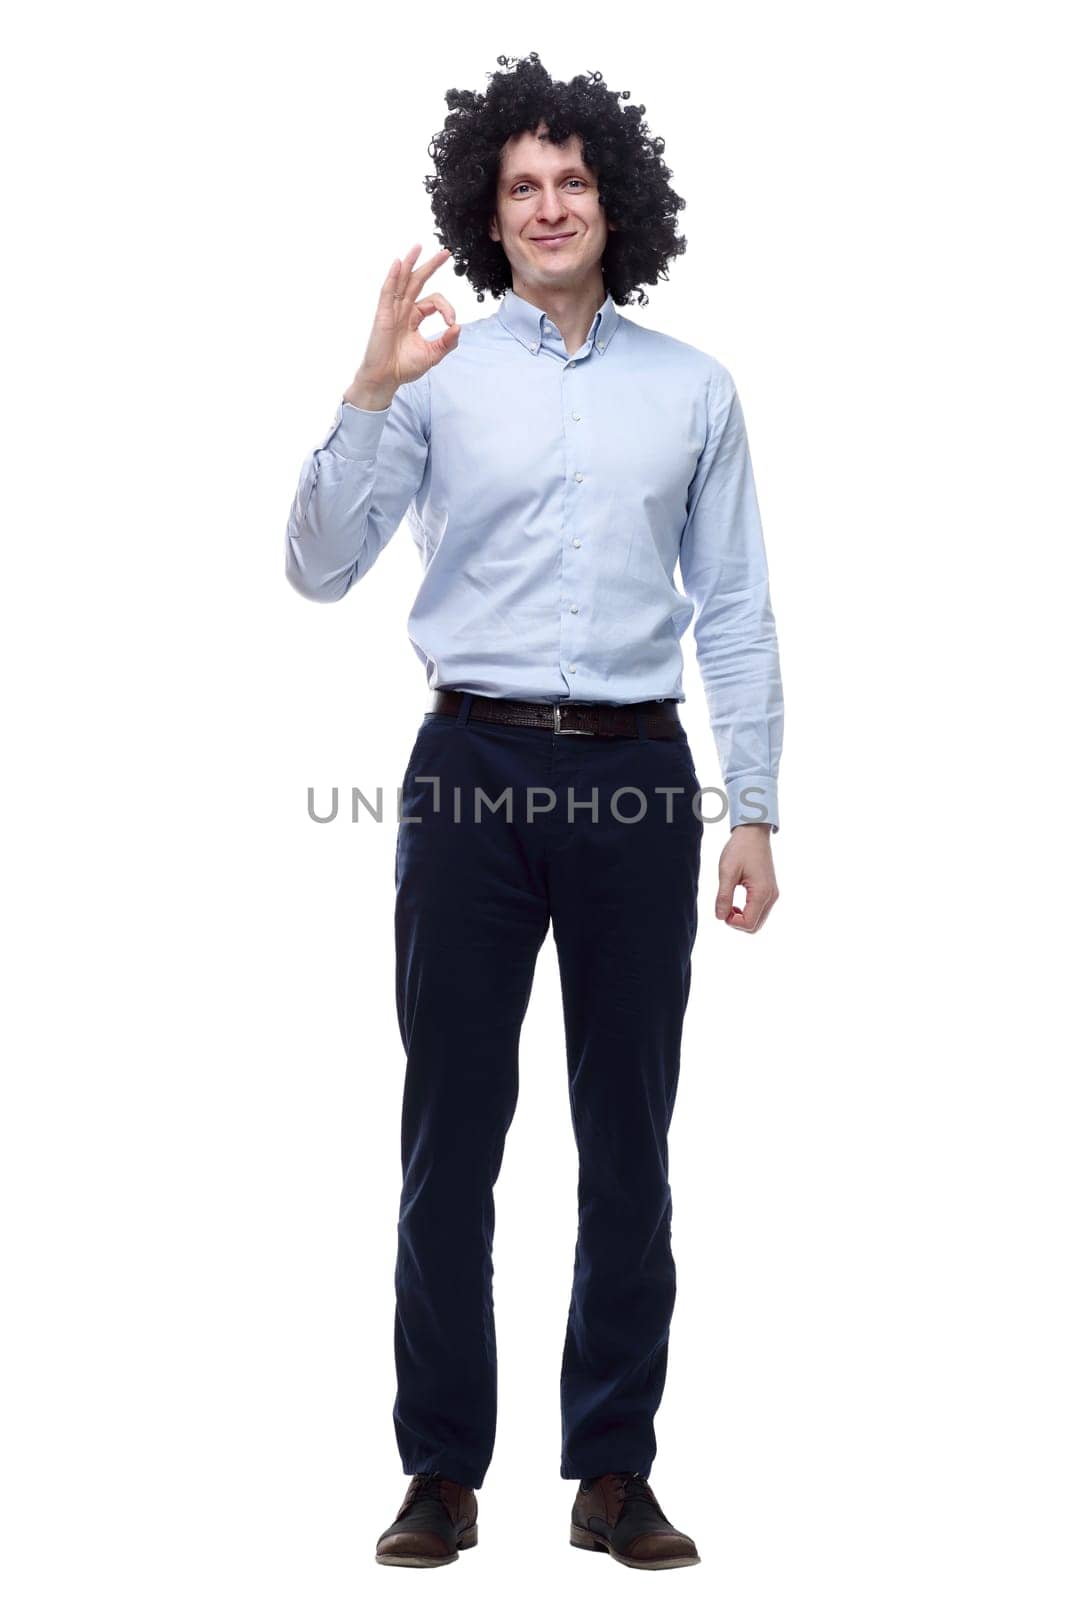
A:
(577, 543)
(574, 608)
(600, 344)
(571, 667)
(578, 477)
(570, 363)
(533, 347)
(576, 416)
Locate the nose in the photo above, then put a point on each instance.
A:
(553, 212)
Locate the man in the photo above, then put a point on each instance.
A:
(556, 461)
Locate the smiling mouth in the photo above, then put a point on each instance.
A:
(552, 238)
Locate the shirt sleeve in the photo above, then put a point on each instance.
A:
(723, 567)
(353, 491)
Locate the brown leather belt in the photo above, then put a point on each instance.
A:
(659, 717)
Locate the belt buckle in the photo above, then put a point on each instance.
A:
(587, 732)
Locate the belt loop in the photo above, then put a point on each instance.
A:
(465, 709)
(641, 734)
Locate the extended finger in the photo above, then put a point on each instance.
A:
(412, 280)
(397, 279)
(400, 270)
(392, 288)
(389, 284)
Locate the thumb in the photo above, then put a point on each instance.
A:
(445, 343)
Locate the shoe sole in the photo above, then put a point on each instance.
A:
(466, 1541)
(583, 1539)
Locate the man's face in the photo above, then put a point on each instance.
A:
(545, 189)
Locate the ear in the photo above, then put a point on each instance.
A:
(494, 231)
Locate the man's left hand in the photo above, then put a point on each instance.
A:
(746, 860)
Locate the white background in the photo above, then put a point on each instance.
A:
(200, 1159)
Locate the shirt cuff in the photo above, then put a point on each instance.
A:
(753, 799)
(358, 432)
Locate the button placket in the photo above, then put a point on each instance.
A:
(576, 544)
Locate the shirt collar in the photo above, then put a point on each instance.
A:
(526, 322)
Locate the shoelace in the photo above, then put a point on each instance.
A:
(427, 1487)
(635, 1486)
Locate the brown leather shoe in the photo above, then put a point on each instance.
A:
(619, 1514)
(436, 1520)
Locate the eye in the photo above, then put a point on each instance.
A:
(519, 186)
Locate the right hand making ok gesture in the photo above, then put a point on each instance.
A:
(396, 351)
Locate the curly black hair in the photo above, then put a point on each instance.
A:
(616, 146)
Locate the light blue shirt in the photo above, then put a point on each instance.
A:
(551, 497)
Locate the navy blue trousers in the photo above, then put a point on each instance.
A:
(474, 901)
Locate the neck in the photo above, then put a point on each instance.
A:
(571, 309)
